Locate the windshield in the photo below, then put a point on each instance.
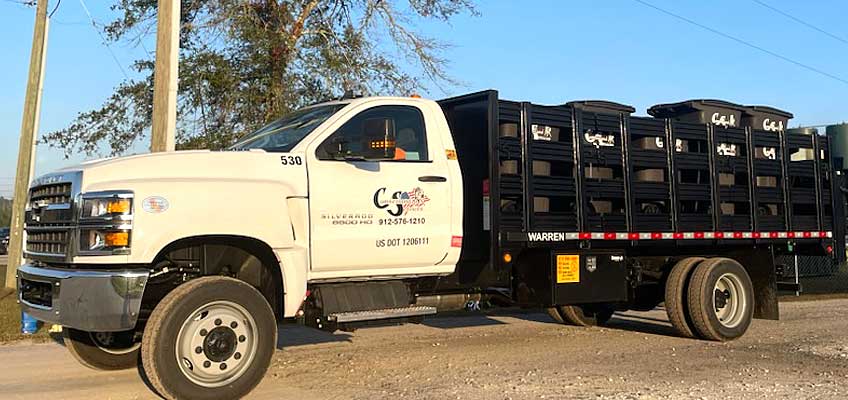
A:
(283, 134)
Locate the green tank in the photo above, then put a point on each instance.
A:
(838, 137)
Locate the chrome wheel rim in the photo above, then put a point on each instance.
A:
(729, 301)
(216, 344)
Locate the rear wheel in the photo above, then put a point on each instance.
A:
(721, 299)
(209, 338)
(676, 287)
(108, 351)
(586, 314)
(554, 313)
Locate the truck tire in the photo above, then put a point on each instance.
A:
(676, 295)
(554, 313)
(105, 351)
(587, 314)
(210, 338)
(720, 299)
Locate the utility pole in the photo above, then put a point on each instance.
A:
(26, 148)
(165, 76)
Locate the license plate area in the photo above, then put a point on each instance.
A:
(37, 293)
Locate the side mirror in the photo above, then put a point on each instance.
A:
(379, 139)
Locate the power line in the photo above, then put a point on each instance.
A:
(56, 7)
(105, 42)
(746, 43)
(800, 21)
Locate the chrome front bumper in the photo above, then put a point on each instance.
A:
(89, 300)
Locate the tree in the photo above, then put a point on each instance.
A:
(5, 212)
(244, 63)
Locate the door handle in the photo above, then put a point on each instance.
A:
(432, 178)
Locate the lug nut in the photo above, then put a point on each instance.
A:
(237, 356)
(234, 325)
(218, 321)
(223, 366)
(198, 350)
(207, 364)
(242, 338)
(203, 332)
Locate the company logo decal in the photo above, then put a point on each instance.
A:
(155, 204)
(772, 126)
(400, 202)
(599, 139)
(727, 121)
(726, 149)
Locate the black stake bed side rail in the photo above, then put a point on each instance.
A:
(708, 173)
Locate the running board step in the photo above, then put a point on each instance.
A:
(387, 313)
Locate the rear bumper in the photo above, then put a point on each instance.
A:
(89, 300)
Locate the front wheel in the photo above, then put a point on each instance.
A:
(210, 338)
(107, 351)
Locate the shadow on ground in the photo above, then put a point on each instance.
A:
(293, 335)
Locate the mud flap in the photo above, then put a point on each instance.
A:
(759, 262)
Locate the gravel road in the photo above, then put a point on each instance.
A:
(509, 354)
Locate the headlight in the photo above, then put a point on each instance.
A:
(105, 223)
(106, 207)
(114, 241)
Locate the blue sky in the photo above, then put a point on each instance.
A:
(546, 52)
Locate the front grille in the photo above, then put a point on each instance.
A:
(49, 242)
(50, 219)
(58, 193)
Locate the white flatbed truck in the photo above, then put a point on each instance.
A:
(389, 209)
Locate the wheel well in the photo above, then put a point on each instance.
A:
(244, 258)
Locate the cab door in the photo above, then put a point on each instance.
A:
(383, 217)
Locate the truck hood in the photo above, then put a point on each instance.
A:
(122, 173)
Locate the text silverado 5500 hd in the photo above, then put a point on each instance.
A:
(390, 209)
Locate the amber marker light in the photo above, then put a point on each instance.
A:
(117, 239)
(507, 258)
(118, 206)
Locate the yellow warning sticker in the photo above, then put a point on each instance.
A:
(568, 268)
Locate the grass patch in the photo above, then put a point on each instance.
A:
(10, 321)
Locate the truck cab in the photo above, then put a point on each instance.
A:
(339, 193)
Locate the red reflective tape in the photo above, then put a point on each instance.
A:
(456, 241)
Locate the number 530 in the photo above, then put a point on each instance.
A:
(291, 160)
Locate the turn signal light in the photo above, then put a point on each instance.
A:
(117, 239)
(507, 258)
(118, 206)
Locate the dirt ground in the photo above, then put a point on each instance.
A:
(510, 354)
